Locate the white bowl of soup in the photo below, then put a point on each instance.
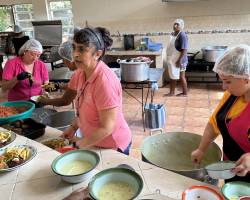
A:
(115, 183)
(76, 166)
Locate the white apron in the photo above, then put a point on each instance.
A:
(172, 57)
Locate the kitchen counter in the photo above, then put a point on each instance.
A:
(35, 180)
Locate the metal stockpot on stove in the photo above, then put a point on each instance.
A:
(172, 151)
(134, 71)
(212, 53)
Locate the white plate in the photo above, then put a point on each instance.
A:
(198, 192)
(10, 140)
(35, 98)
(32, 155)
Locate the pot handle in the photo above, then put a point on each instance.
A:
(156, 131)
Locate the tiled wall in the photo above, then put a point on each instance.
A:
(226, 30)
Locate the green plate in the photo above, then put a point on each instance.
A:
(235, 189)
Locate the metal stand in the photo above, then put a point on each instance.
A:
(140, 86)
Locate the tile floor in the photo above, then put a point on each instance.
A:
(189, 114)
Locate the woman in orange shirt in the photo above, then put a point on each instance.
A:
(231, 117)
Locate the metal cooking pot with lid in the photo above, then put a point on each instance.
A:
(134, 71)
(172, 151)
(212, 53)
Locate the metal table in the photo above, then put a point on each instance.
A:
(154, 76)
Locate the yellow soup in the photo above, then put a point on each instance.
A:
(76, 167)
(116, 190)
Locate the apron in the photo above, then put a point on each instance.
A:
(172, 57)
(235, 133)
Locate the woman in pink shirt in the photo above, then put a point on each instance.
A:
(24, 75)
(99, 95)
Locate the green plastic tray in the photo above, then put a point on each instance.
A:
(23, 115)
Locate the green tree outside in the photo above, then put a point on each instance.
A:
(5, 18)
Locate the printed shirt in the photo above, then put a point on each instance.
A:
(22, 90)
(100, 92)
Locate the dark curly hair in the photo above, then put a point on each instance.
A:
(98, 37)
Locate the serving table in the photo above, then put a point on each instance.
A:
(35, 179)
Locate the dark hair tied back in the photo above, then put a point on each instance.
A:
(98, 37)
(108, 41)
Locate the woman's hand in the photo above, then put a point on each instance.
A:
(196, 156)
(69, 133)
(80, 194)
(243, 165)
(23, 75)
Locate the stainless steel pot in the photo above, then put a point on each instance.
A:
(172, 151)
(134, 71)
(212, 53)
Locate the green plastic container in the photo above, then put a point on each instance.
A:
(23, 115)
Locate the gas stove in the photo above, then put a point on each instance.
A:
(200, 65)
(199, 70)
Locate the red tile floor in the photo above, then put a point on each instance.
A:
(189, 114)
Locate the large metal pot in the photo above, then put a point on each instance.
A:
(212, 53)
(172, 151)
(134, 71)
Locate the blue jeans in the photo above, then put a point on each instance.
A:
(126, 151)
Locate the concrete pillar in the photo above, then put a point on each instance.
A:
(40, 8)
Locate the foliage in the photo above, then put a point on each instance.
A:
(5, 18)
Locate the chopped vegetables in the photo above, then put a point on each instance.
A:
(6, 111)
(55, 143)
(50, 87)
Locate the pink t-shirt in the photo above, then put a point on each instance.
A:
(22, 90)
(101, 91)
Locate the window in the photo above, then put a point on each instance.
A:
(62, 10)
(6, 18)
(23, 15)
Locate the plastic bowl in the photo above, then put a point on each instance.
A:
(84, 155)
(201, 192)
(23, 115)
(235, 189)
(221, 170)
(117, 174)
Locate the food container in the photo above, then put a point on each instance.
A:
(32, 154)
(116, 175)
(212, 53)
(27, 127)
(235, 189)
(132, 71)
(163, 149)
(23, 115)
(6, 138)
(62, 161)
(199, 192)
(221, 170)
